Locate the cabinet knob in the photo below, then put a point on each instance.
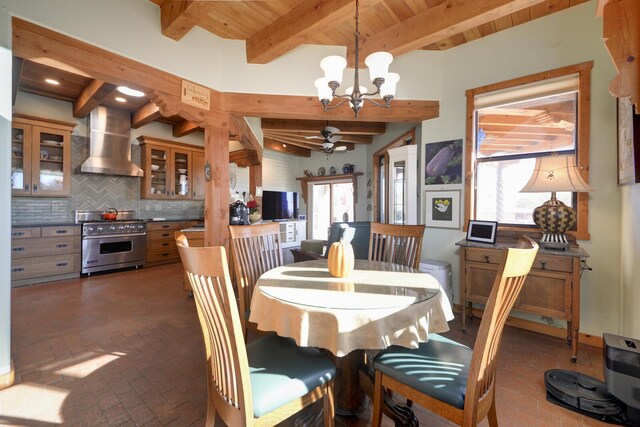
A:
(486, 258)
(543, 264)
(26, 187)
(35, 188)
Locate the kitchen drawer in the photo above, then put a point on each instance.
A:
(553, 263)
(44, 266)
(25, 232)
(73, 230)
(165, 225)
(25, 248)
(161, 245)
(161, 257)
(161, 235)
(488, 256)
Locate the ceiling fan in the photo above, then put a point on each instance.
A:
(329, 138)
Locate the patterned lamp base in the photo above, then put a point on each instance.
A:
(554, 218)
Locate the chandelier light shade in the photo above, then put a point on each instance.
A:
(554, 174)
(378, 64)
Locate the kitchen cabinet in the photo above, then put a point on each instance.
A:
(161, 242)
(44, 254)
(552, 288)
(169, 170)
(40, 157)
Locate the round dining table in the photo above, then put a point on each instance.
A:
(378, 305)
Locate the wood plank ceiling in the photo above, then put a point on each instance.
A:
(273, 27)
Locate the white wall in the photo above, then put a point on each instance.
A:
(279, 171)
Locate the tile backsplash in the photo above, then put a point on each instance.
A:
(98, 192)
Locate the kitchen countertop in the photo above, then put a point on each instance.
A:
(173, 219)
(56, 224)
(196, 229)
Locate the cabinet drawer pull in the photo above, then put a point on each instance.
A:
(166, 235)
(62, 231)
(165, 226)
(17, 269)
(35, 188)
(486, 258)
(543, 264)
(17, 249)
(165, 254)
(18, 233)
(165, 244)
(26, 188)
(61, 245)
(61, 264)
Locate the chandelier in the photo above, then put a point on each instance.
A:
(378, 64)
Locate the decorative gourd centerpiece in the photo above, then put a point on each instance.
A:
(341, 258)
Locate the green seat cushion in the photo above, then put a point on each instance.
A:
(438, 368)
(281, 371)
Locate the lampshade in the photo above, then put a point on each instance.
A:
(324, 91)
(378, 63)
(349, 91)
(388, 88)
(333, 66)
(555, 174)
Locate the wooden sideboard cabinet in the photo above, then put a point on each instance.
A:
(552, 287)
(44, 254)
(161, 241)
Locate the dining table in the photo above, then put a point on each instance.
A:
(378, 305)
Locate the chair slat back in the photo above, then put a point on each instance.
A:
(228, 379)
(506, 288)
(255, 249)
(398, 244)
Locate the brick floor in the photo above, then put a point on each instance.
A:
(125, 349)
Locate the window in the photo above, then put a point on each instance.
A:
(331, 202)
(512, 123)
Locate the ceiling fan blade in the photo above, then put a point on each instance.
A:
(313, 137)
(340, 148)
(331, 129)
(334, 138)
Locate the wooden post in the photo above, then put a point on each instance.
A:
(216, 201)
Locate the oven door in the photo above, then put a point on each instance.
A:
(100, 253)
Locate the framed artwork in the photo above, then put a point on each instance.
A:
(442, 209)
(482, 231)
(443, 162)
(628, 143)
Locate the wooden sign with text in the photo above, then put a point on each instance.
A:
(198, 96)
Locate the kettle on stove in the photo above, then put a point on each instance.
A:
(238, 213)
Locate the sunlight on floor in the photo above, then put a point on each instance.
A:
(18, 403)
(82, 369)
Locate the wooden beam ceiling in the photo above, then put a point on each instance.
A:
(315, 126)
(184, 128)
(445, 20)
(295, 28)
(177, 17)
(146, 114)
(91, 96)
(287, 149)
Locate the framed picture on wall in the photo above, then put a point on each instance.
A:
(628, 143)
(443, 162)
(442, 209)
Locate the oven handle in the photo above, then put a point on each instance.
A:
(109, 236)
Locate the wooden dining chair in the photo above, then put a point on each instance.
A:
(449, 378)
(254, 250)
(398, 244)
(259, 384)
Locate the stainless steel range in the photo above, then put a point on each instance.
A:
(111, 244)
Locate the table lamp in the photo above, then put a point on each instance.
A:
(555, 173)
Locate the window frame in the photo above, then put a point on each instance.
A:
(583, 70)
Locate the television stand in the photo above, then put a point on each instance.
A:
(292, 233)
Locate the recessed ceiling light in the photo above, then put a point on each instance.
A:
(284, 145)
(120, 99)
(52, 82)
(130, 92)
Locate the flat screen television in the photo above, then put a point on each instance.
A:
(279, 205)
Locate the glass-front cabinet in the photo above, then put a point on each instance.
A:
(168, 170)
(40, 157)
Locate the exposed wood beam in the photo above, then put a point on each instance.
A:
(358, 139)
(185, 127)
(177, 17)
(445, 20)
(15, 76)
(295, 28)
(91, 96)
(315, 126)
(241, 129)
(244, 158)
(308, 107)
(145, 114)
(305, 142)
(289, 149)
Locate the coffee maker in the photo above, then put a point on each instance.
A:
(238, 213)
